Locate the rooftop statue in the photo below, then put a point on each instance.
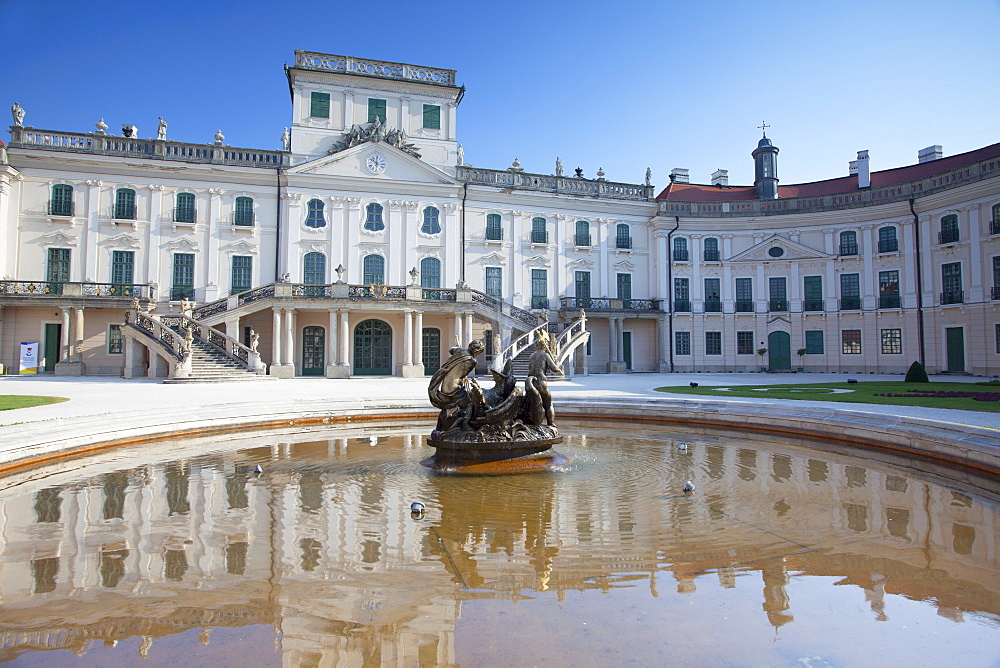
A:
(17, 111)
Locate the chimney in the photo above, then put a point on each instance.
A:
(720, 177)
(679, 175)
(930, 153)
(860, 167)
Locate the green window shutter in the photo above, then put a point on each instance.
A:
(319, 105)
(432, 116)
(376, 109)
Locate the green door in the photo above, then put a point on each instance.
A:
(956, 348)
(373, 348)
(313, 351)
(53, 337)
(779, 351)
(431, 353)
(627, 349)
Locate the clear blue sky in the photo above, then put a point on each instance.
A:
(619, 85)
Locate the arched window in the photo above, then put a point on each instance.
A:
(949, 230)
(432, 223)
(430, 272)
(314, 218)
(494, 229)
(314, 268)
(849, 243)
(680, 249)
(887, 241)
(373, 218)
(243, 214)
(125, 204)
(374, 269)
(61, 203)
(582, 233)
(539, 233)
(711, 249)
(184, 210)
(623, 236)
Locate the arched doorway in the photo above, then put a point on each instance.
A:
(779, 351)
(313, 351)
(372, 348)
(431, 353)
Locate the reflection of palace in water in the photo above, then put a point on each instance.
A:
(323, 548)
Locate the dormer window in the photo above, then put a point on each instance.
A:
(319, 105)
(61, 203)
(373, 218)
(314, 218)
(376, 109)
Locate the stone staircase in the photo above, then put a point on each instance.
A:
(208, 365)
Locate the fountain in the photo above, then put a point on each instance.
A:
(499, 430)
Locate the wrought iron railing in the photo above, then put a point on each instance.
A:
(682, 305)
(123, 212)
(744, 306)
(437, 294)
(681, 255)
(713, 306)
(777, 305)
(556, 184)
(948, 236)
(812, 305)
(539, 236)
(581, 239)
(311, 290)
(256, 295)
(850, 303)
(711, 256)
(243, 218)
(179, 292)
(609, 304)
(953, 297)
(67, 289)
(375, 292)
(494, 233)
(889, 301)
(849, 249)
(539, 302)
(623, 242)
(59, 207)
(184, 214)
(995, 226)
(888, 245)
(995, 292)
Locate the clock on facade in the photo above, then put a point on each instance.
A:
(376, 163)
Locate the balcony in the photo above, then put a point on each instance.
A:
(682, 306)
(608, 304)
(539, 237)
(995, 226)
(58, 207)
(179, 292)
(948, 236)
(888, 245)
(889, 301)
(87, 292)
(540, 302)
(850, 303)
(243, 218)
(681, 255)
(184, 214)
(711, 256)
(623, 242)
(713, 306)
(995, 292)
(848, 249)
(123, 212)
(494, 233)
(812, 305)
(953, 297)
(581, 239)
(744, 306)
(777, 305)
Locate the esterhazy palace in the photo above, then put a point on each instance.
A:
(366, 246)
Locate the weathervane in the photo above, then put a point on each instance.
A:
(763, 127)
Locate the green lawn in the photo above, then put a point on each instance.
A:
(862, 392)
(9, 401)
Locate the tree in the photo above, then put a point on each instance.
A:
(916, 374)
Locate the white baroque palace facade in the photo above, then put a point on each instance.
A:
(366, 246)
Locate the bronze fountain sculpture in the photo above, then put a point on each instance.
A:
(503, 429)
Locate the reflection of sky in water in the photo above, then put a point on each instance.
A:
(782, 553)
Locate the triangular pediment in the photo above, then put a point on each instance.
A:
(388, 164)
(790, 251)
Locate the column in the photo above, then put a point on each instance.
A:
(418, 342)
(276, 338)
(345, 353)
(332, 349)
(348, 109)
(67, 351)
(408, 338)
(78, 336)
(612, 344)
(868, 249)
(458, 330)
(977, 293)
(290, 328)
(467, 328)
(663, 346)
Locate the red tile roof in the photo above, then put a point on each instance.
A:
(692, 192)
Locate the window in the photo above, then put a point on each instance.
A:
(951, 282)
(374, 269)
(57, 269)
(184, 212)
(682, 295)
(850, 292)
(995, 292)
(61, 203)
(319, 105)
(777, 293)
(242, 274)
(494, 282)
(122, 272)
(314, 217)
(851, 341)
(582, 233)
(713, 343)
(432, 117)
(539, 288)
(997, 333)
(892, 342)
(814, 342)
(849, 243)
(744, 343)
(494, 228)
(680, 250)
(124, 204)
(812, 293)
(376, 109)
(713, 295)
(432, 224)
(430, 272)
(995, 221)
(624, 286)
(888, 289)
(582, 284)
(623, 237)
(539, 233)
(682, 343)
(744, 295)
(115, 341)
(949, 230)
(887, 241)
(711, 249)
(243, 215)
(183, 278)
(314, 268)
(373, 218)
